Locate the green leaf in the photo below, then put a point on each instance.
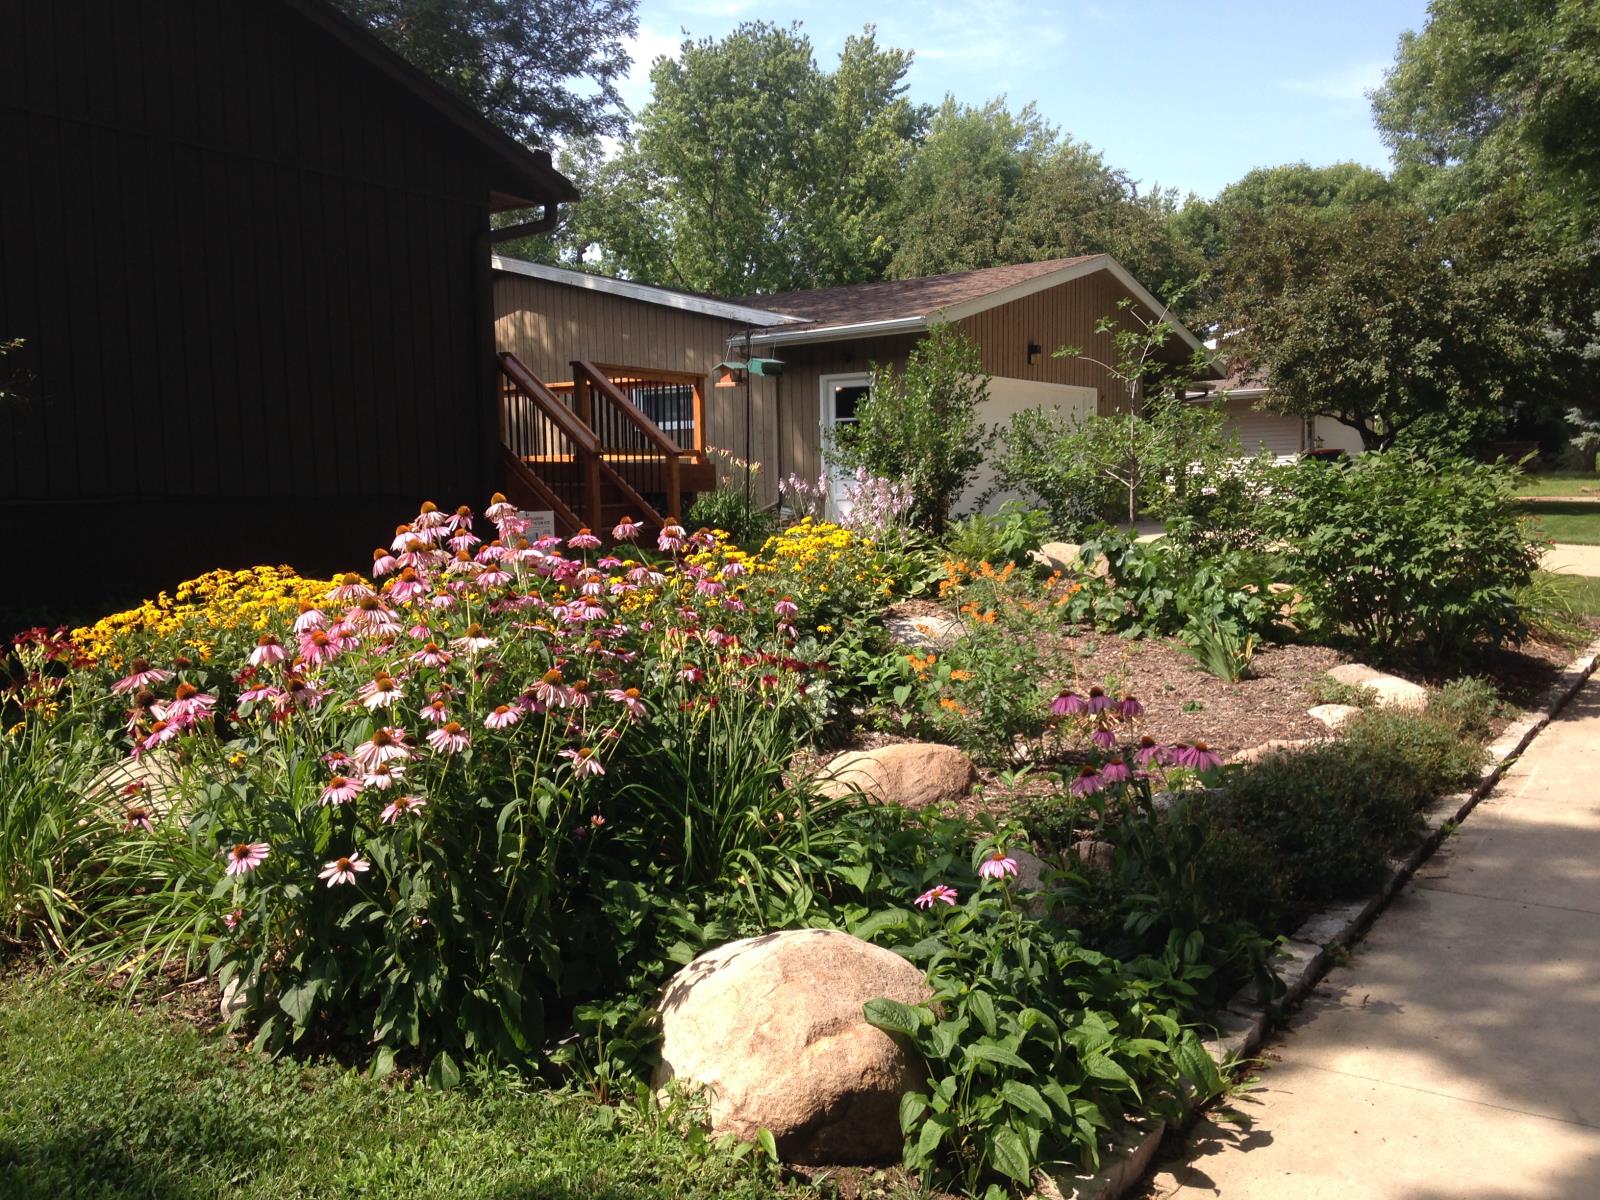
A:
(768, 1144)
(894, 1017)
(1027, 1098)
(933, 1131)
(912, 1107)
(982, 1006)
(382, 1062)
(878, 922)
(300, 1001)
(444, 1073)
(1009, 1154)
(989, 1052)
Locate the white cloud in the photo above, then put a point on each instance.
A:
(1346, 86)
(644, 48)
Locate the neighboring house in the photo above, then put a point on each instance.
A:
(1258, 429)
(829, 340)
(246, 249)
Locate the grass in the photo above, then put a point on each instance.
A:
(1581, 593)
(99, 1101)
(1559, 483)
(1576, 524)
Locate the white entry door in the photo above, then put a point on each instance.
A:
(841, 394)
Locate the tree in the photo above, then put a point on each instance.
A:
(543, 70)
(1400, 325)
(920, 426)
(752, 170)
(1499, 89)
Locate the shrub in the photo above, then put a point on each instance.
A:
(919, 426)
(746, 523)
(1011, 534)
(1437, 758)
(1401, 548)
(1467, 706)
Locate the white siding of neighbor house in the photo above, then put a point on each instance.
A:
(1336, 435)
(1284, 436)
(1007, 397)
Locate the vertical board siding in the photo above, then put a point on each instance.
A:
(238, 275)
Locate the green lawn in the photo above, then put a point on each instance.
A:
(1559, 483)
(99, 1101)
(1575, 523)
(1581, 593)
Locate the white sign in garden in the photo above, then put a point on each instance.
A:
(541, 522)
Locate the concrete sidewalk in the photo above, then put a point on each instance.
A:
(1567, 559)
(1457, 1056)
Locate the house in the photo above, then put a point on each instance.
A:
(1257, 429)
(829, 340)
(245, 257)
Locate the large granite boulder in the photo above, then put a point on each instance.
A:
(772, 1029)
(911, 774)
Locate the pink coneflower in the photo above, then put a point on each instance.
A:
(1103, 738)
(671, 539)
(786, 608)
(429, 517)
(231, 920)
(188, 704)
(630, 700)
(691, 674)
(551, 688)
(350, 587)
(344, 869)
(1088, 782)
(499, 508)
(592, 583)
(609, 562)
(1098, 700)
(297, 693)
(646, 575)
(318, 647)
(997, 866)
(309, 617)
(494, 576)
(407, 586)
(435, 712)
(269, 650)
(403, 537)
(432, 655)
(1067, 704)
(1115, 770)
(503, 717)
(384, 776)
(449, 738)
(463, 541)
(400, 806)
(161, 733)
(441, 600)
(388, 744)
(137, 816)
(1197, 757)
(1130, 708)
(246, 857)
(341, 789)
(734, 569)
(372, 615)
(1150, 751)
(626, 530)
(583, 762)
(473, 639)
(710, 587)
(383, 561)
(140, 674)
(381, 692)
(259, 692)
(939, 893)
(460, 519)
(583, 540)
(578, 694)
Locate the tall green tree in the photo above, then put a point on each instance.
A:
(753, 170)
(545, 71)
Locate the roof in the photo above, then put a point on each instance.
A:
(528, 177)
(910, 305)
(1241, 383)
(706, 306)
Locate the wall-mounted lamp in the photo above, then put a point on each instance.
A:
(1033, 351)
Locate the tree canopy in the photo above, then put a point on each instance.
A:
(545, 71)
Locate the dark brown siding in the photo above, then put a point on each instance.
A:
(245, 266)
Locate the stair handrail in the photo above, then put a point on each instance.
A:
(635, 416)
(585, 442)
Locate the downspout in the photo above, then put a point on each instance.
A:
(543, 224)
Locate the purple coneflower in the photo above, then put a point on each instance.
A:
(400, 806)
(1088, 782)
(1067, 703)
(626, 530)
(341, 789)
(1197, 757)
(997, 866)
(1098, 700)
(432, 655)
(583, 540)
(140, 674)
(310, 617)
(188, 704)
(381, 692)
(671, 539)
(350, 587)
(630, 700)
(473, 639)
(1103, 738)
(269, 650)
(449, 738)
(1150, 751)
(499, 508)
(343, 869)
(246, 857)
(583, 762)
(503, 717)
(386, 745)
(1130, 708)
(435, 712)
(939, 893)
(384, 776)
(460, 519)
(786, 608)
(1115, 770)
(551, 688)
(137, 816)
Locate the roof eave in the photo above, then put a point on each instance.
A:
(705, 306)
(835, 333)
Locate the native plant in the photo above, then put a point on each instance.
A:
(920, 426)
(1401, 548)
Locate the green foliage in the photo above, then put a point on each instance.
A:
(1220, 647)
(1326, 690)
(1010, 534)
(1467, 706)
(751, 169)
(1439, 747)
(919, 426)
(1398, 548)
(543, 72)
(1557, 607)
(104, 1102)
(746, 523)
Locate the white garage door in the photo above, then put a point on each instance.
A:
(1283, 435)
(1007, 397)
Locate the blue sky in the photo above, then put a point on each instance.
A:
(1179, 94)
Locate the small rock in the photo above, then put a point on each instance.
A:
(923, 632)
(1094, 854)
(1030, 870)
(1390, 690)
(1067, 557)
(233, 999)
(1334, 715)
(772, 1028)
(911, 774)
